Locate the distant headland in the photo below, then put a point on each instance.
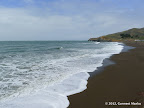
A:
(134, 34)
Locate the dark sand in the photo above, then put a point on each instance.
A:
(121, 82)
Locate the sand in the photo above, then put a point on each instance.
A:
(122, 82)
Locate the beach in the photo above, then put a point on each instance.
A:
(121, 82)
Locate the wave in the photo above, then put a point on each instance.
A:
(96, 42)
(56, 48)
(47, 82)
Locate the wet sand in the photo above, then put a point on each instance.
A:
(121, 82)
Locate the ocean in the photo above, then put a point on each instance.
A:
(41, 74)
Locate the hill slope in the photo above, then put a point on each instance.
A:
(131, 34)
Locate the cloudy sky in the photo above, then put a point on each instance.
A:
(67, 19)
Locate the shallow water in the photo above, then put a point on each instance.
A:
(41, 74)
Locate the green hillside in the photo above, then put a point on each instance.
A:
(131, 34)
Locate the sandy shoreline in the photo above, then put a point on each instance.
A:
(121, 82)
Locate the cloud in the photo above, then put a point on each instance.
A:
(66, 21)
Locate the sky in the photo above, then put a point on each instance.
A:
(67, 19)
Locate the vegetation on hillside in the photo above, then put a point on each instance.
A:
(132, 34)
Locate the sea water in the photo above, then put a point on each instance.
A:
(41, 74)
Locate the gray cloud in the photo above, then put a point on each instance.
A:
(66, 22)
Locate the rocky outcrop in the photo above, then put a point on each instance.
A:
(99, 39)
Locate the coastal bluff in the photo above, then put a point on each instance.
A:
(128, 35)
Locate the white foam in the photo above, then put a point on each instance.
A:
(96, 42)
(42, 99)
(68, 77)
(54, 96)
(74, 84)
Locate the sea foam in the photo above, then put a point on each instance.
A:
(69, 76)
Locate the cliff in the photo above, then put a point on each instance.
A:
(131, 34)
